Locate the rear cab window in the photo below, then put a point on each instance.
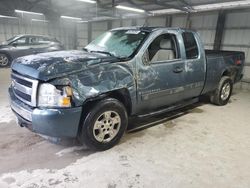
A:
(191, 46)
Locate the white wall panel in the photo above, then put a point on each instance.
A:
(197, 21)
(157, 21)
(140, 22)
(247, 72)
(116, 23)
(126, 23)
(179, 21)
(238, 19)
(207, 36)
(98, 28)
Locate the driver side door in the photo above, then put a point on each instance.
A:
(161, 74)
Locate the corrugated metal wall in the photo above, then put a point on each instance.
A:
(237, 35)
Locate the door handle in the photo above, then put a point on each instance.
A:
(178, 70)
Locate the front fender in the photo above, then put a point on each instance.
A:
(99, 80)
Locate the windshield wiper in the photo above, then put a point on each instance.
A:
(102, 52)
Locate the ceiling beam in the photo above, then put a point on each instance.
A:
(136, 5)
(167, 5)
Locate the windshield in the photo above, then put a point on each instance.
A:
(10, 40)
(119, 43)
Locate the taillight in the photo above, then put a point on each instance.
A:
(238, 62)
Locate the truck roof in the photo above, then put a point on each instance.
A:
(148, 29)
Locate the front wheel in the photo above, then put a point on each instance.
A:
(223, 92)
(104, 125)
(4, 60)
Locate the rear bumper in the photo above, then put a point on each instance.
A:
(51, 122)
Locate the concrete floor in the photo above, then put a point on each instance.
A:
(205, 146)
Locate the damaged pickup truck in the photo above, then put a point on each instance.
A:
(135, 71)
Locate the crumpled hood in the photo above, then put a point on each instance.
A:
(51, 65)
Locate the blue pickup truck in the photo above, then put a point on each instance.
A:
(133, 71)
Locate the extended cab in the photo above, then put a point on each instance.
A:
(125, 72)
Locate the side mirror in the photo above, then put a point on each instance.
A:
(14, 44)
(145, 58)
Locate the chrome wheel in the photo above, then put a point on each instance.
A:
(4, 61)
(107, 126)
(225, 92)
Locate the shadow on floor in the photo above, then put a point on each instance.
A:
(137, 124)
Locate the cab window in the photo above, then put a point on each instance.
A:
(20, 42)
(163, 48)
(44, 40)
(33, 40)
(191, 46)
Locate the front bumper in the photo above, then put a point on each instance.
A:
(62, 122)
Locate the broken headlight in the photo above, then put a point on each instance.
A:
(51, 96)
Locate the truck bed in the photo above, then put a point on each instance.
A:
(217, 61)
(219, 53)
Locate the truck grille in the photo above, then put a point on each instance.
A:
(24, 89)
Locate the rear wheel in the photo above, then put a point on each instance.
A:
(223, 92)
(4, 60)
(104, 125)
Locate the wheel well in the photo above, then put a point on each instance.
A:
(226, 73)
(230, 73)
(121, 95)
(8, 55)
(124, 97)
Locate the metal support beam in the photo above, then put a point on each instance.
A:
(113, 8)
(188, 22)
(146, 22)
(121, 23)
(168, 21)
(75, 37)
(219, 30)
(89, 32)
(109, 23)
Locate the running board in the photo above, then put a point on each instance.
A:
(171, 108)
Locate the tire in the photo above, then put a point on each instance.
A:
(4, 60)
(104, 125)
(223, 92)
